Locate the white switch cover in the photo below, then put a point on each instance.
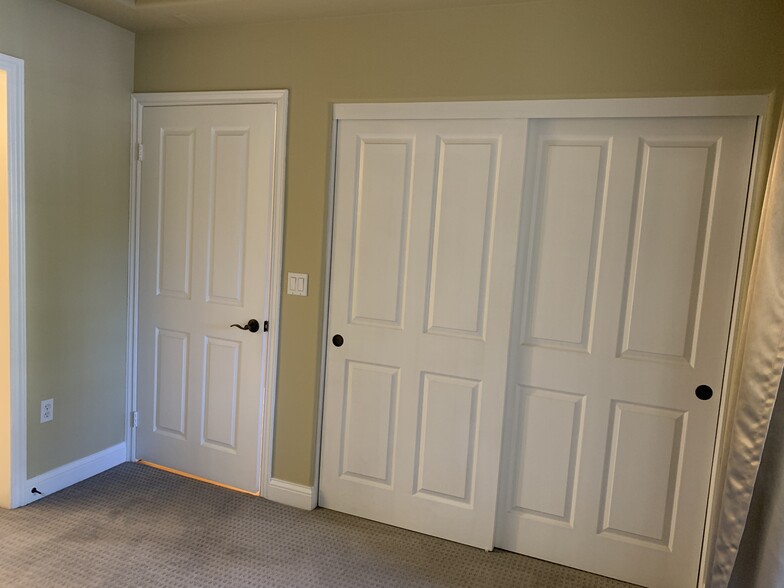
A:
(298, 284)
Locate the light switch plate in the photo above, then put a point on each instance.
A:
(298, 284)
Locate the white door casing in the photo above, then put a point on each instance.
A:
(632, 230)
(207, 188)
(13, 404)
(424, 245)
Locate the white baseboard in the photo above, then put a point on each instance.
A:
(71, 473)
(295, 495)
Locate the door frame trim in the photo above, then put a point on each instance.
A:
(751, 105)
(17, 398)
(328, 239)
(138, 103)
(694, 106)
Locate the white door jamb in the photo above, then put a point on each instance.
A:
(325, 323)
(17, 410)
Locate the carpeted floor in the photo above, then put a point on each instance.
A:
(138, 526)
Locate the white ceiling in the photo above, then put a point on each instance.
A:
(142, 15)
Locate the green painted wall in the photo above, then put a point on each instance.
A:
(537, 49)
(78, 79)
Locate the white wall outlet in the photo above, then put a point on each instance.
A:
(298, 284)
(47, 410)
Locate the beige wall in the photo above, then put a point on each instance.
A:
(78, 78)
(538, 49)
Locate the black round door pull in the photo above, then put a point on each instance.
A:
(252, 326)
(704, 392)
(337, 340)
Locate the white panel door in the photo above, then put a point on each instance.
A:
(204, 264)
(424, 247)
(628, 262)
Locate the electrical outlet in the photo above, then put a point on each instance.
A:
(47, 410)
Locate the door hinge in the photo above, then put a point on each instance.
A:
(266, 326)
(134, 419)
(139, 152)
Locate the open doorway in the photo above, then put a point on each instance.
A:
(13, 466)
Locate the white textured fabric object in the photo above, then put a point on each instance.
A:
(760, 559)
(760, 375)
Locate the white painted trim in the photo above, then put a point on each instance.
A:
(330, 220)
(728, 398)
(296, 495)
(14, 69)
(74, 472)
(276, 281)
(589, 108)
(134, 212)
(280, 99)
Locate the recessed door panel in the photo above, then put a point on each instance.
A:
(673, 210)
(175, 212)
(369, 430)
(447, 437)
(570, 200)
(380, 245)
(228, 214)
(221, 393)
(171, 382)
(462, 235)
(643, 473)
(549, 440)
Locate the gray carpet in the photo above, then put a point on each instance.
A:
(137, 526)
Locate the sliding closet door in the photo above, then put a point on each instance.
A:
(424, 247)
(632, 230)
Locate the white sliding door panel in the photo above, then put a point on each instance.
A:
(204, 263)
(629, 252)
(424, 246)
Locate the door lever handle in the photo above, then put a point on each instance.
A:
(252, 326)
